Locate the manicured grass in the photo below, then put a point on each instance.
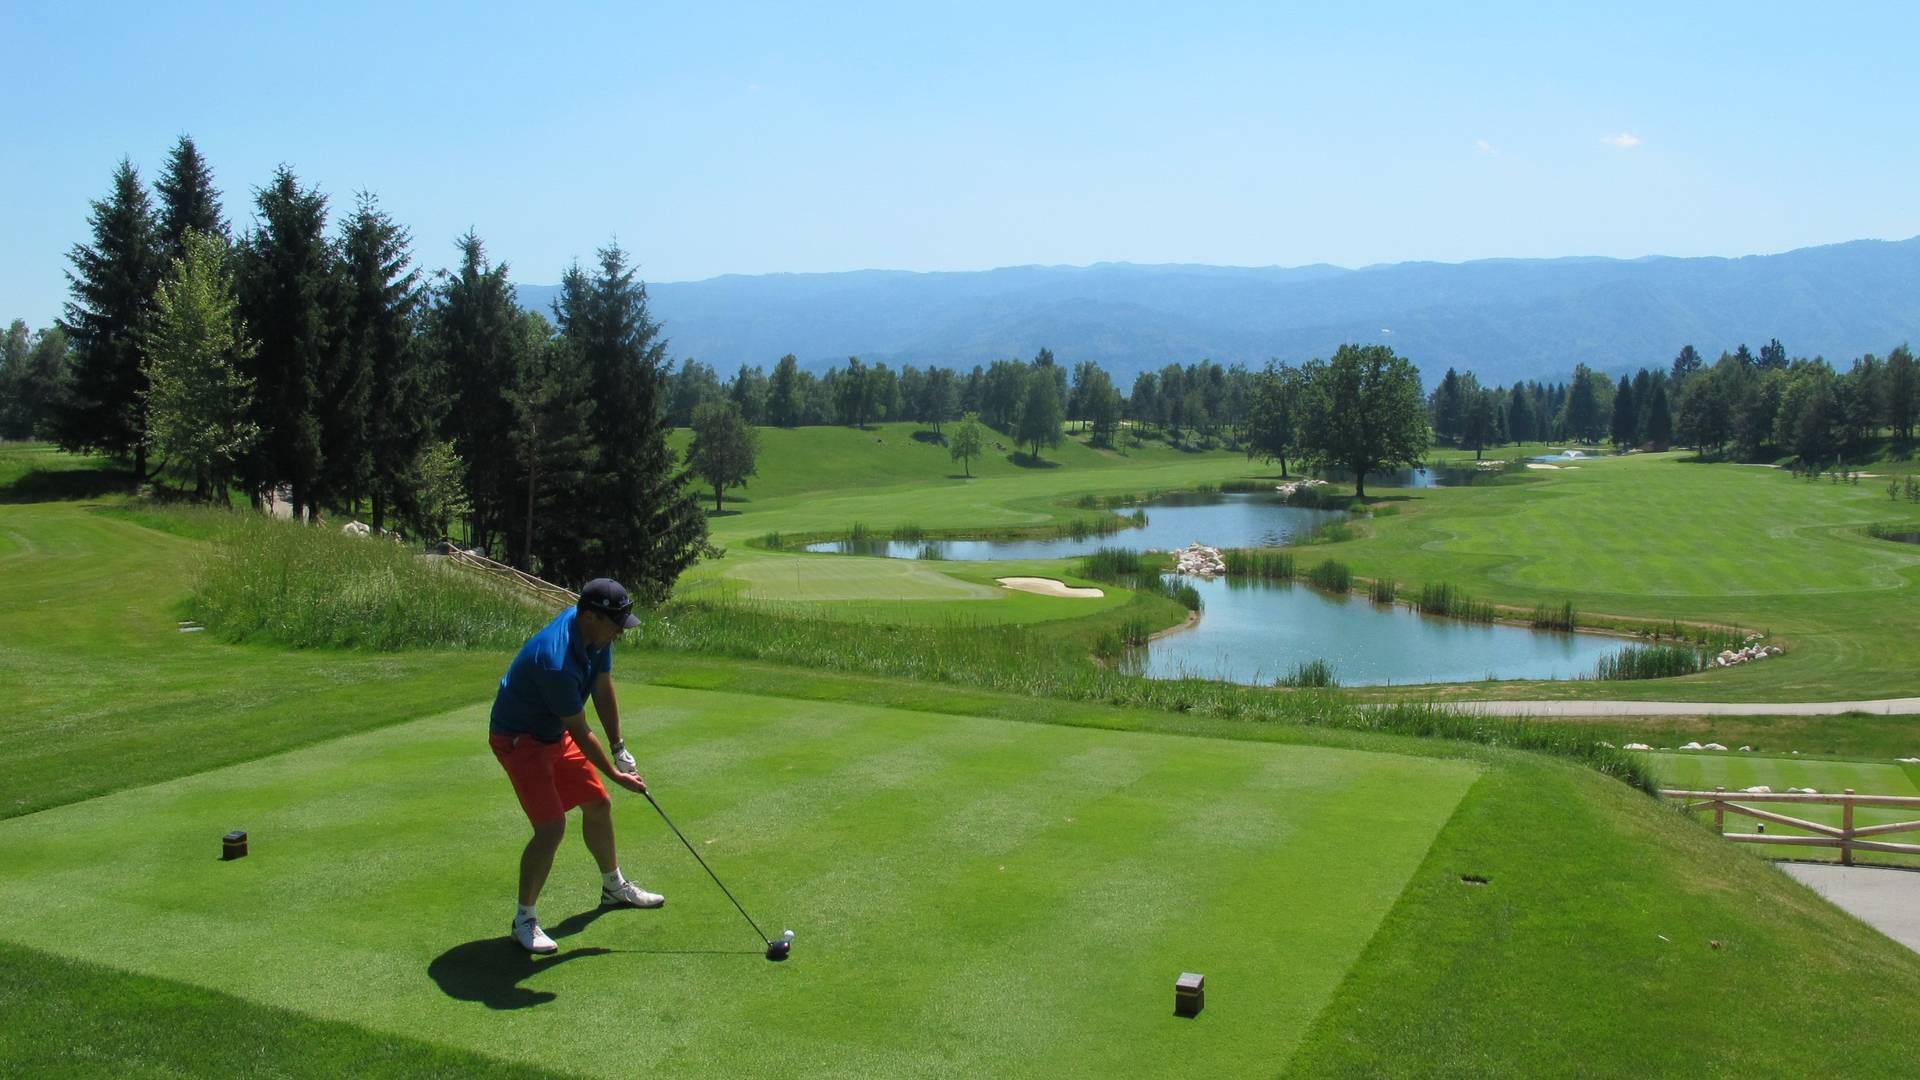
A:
(950, 878)
(68, 1018)
(1590, 952)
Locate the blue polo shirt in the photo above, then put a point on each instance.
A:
(550, 679)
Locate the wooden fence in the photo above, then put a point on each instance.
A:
(519, 579)
(1843, 836)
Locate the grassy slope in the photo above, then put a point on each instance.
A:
(1590, 953)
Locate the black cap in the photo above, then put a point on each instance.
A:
(609, 598)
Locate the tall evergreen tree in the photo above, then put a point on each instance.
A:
(1684, 366)
(188, 200)
(1659, 433)
(400, 397)
(472, 338)
(1626, 415)
(103, 401)
(1522, 423)
(651, 527)
(553, 449)
(289, 296)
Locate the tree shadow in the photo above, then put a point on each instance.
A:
(724, 513)
(930, 437)
(1029, 461)
(61, 485)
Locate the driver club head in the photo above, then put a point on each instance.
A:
(778, 950)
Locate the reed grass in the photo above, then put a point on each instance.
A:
(1262, 563)
(1383, 590)
(1548, 617)
(1441, 598)
(1650, 662)
(1313, 674)
(1331, 575)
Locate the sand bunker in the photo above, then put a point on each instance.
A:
(1541, 465)
(1047, 586)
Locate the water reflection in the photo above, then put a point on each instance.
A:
(1258, 632)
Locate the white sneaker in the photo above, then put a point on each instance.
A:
(630, 895)
(531, 938)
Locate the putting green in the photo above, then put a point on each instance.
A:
(972, 897)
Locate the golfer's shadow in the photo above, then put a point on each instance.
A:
(491, 969)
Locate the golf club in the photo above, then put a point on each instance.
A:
(776, 950)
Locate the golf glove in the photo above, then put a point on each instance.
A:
(623, 760)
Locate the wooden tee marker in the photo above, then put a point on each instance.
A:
(1189, 994)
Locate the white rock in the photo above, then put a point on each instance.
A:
(1607, 744)
(1713, 746)
(1636, 746)
(1692, 746)
(356, 528)
(1746, 749)
(1910, 760)
(1803, 791)
(1761, 789)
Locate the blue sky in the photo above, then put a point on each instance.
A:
(745, 138)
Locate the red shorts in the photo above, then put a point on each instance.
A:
(550, 778)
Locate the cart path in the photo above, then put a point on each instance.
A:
(1887, 900)
(1882, 707)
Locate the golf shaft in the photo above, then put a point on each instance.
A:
(704, 866)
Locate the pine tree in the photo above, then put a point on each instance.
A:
(649, 526)
(290, 297)
(1659, 433)
(1522, 425)
(554, 451)
(1626, 415)
(404, 399)
(471, 340)
(188, 201)
(103, 401)
(197, 398)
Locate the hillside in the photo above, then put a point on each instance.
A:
(1504, 318)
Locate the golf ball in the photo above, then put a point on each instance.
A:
(788, 935)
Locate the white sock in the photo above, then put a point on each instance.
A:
(613, 879)
(526, 914)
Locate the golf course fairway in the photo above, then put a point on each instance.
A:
(971, 896)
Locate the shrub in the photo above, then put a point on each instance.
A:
(1382, 590)
(909, 533)
(1441, 598)
(772, 541)
(1110, 564)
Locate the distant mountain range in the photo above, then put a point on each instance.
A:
(1504, 319)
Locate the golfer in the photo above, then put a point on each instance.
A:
(539, 732)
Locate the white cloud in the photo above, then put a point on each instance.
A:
(1486, 147)
(1626, 140)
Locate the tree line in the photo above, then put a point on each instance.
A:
(325, 366)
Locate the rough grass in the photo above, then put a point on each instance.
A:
(277, 581)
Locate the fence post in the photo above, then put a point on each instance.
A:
(1719, 811)
(1846, 831)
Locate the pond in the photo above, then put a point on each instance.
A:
(1257, 632)
(1224, 520)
